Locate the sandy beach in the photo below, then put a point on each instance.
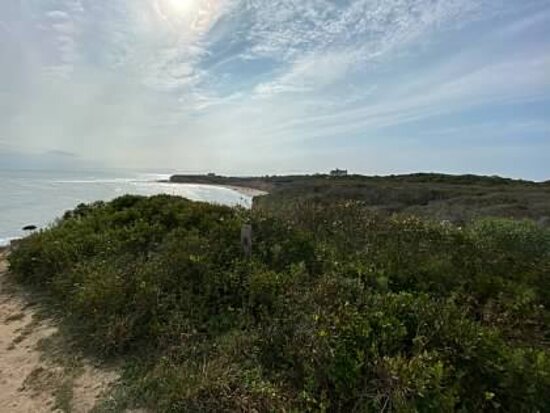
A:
(251, 192)
(243, 190)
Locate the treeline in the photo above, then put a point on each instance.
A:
(338, 308)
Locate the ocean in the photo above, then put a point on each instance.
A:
(39, 197)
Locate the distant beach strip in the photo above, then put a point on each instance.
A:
(249, 192)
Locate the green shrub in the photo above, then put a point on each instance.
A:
(338, 309)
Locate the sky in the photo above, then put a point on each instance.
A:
(277, 86)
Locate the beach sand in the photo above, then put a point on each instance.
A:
(251, 192)
(32, 381)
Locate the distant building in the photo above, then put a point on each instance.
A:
(211, 174)
(339, 172)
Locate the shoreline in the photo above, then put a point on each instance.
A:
(243, 190)
(9, 241)
(251, 192)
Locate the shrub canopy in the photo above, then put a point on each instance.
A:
(337, 309)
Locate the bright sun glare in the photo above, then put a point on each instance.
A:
(189, 16)
(179, 8)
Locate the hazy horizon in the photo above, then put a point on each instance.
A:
(256, 87)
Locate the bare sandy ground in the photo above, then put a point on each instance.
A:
(31, 380)
(251, 192)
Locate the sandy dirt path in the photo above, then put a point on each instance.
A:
(31, 380)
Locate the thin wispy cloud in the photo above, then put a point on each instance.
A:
(254, 86)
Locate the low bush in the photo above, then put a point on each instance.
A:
(338, 308)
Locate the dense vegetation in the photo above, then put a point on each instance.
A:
(458, 198)
(339, 308)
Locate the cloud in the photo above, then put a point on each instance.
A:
(52, 159)
(222, 83)
(61, 154)
(505, 83)
(309, 73)
(322, 42)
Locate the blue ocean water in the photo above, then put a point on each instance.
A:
(39, 197)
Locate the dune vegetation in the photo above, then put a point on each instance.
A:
(456, 198)
(339, 308)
